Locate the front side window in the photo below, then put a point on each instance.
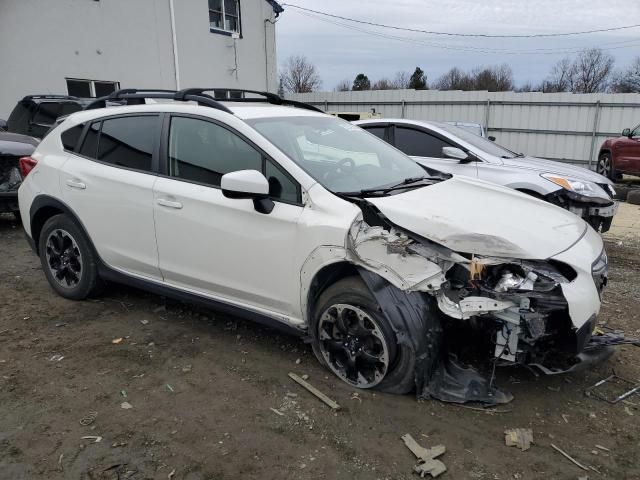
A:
(224, 15)
(340, 156)
(419, 144)
(201, 151)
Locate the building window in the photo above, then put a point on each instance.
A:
(224, 16)
(90, 88)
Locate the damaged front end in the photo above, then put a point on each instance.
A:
(493, 311)
(596, 211)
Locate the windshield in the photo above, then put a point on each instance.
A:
(340, 156)
(480, 143)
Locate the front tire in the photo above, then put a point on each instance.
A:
(605, 166)
(67, 258)
(353, 339)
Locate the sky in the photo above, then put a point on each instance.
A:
(341, 53)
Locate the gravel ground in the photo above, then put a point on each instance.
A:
(203, 388)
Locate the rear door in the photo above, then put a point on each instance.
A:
(428, 147)
(219, 246)
(108, 182)
(628, 155)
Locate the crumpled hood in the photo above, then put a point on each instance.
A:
(473, 216)
(549, 166)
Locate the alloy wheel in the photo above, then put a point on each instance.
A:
(352, 344)
(604, 166)
(64, 258)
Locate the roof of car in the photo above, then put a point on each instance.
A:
(244, 110)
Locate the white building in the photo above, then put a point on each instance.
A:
(91, 47)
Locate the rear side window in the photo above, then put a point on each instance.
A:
(418, 143)
(377, 131)
(90, 144)
(71, 136)
(128, 141)
(19, 119)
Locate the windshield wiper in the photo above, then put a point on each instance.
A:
(384, 190)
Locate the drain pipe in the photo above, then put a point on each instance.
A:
(174, 42)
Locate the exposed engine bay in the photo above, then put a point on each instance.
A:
(512, 311)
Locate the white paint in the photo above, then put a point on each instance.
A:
(472, 216)
(131, 42)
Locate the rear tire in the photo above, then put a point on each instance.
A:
(68, 259)
(349, 301)
(605, 166)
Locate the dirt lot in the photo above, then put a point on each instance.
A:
(202, 387)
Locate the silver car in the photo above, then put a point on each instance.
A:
(451, 149)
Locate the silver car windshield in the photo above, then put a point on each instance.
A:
(340, 156)
(480, 143)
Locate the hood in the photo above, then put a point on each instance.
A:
(549, 166)
(472, 216)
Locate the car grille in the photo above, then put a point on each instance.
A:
(600, 272)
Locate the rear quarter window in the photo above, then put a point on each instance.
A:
(71, 137)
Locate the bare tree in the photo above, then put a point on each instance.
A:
(494, 79)
(401, 80)
(383, 84)
(588, 72)
(628, 80)
(454, 79)
(561, 77)
(343, 86)
(300, 75)
(592, 70)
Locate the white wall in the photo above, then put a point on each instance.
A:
(42, 42)
(551, 125)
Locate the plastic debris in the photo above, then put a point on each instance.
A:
(518, 437)
(126, 405)
(56, 358)
(95, 438)
(427, 463)
(116, 341)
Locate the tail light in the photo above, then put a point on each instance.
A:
(26, 164)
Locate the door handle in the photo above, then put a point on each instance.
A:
(76, 184)
(169, 203)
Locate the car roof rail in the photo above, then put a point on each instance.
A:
(129, 95)
(267, 97)
(198, 95)
(48, 96)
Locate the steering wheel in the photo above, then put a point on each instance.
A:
(344, 166)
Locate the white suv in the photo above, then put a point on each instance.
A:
(277, 212)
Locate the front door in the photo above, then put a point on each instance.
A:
(108, 183)
(428, 150)
(628, 155)
(219, 246)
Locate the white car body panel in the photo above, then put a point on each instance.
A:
(476, 232)
(192, 238)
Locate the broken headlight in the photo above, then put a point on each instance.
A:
(581, 187)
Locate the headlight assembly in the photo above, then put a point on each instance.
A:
(581, 187)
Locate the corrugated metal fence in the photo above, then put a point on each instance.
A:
(560, 126)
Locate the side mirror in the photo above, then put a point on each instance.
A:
(491, 138)
(250, 184)
(626, 132)
(455, 153)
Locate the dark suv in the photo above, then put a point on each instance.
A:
(35, 114)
